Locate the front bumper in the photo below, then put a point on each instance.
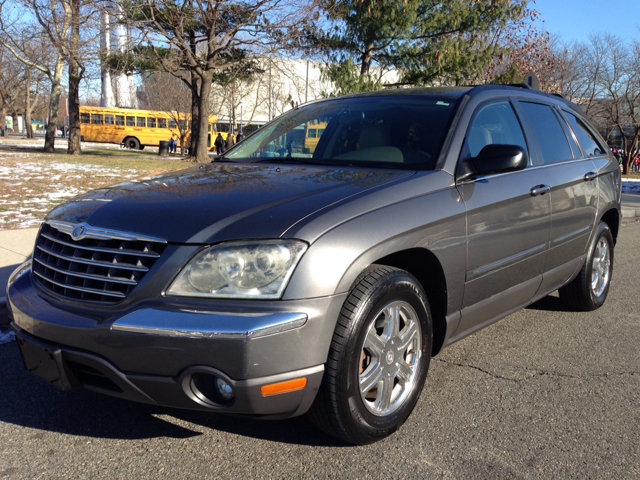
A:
(161, 351)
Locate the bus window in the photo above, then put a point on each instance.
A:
(140, 122)
(312, 132)
(172, 123)
(320, 132)
(96, 118)
(119, 119)
(131, 121)
(151, 122)
(162, 123)
(85, 118)
(183, 124)
(209, 128)
(108, 119)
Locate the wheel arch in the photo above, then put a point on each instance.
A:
(612, 218)
(425, 266)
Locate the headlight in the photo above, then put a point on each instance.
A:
(252, 269)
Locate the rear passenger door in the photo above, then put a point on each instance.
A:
(573, 183)
(508, 220)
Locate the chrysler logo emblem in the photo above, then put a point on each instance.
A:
(78, 231)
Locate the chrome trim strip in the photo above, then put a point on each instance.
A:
(95, 263)
(570, 236)
(106, 293)
(208, 325)
(100, 278)
(102, 233)
(101, 249)
(505, 262)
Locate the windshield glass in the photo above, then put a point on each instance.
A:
(384, 131)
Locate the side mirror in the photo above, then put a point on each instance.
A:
(500, 159)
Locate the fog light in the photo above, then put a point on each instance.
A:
(224, 389)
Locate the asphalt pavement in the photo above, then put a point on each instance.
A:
(544, 393)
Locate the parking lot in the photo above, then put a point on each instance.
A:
(545, 393)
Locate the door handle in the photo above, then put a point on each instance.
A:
(589, 177)
(540, 190)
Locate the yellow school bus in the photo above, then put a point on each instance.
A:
(314, 130)
(134, 129)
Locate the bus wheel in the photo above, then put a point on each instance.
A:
(132, 143)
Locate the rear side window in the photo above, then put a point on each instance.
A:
(553, 142)
(589, 143)
(495, 124)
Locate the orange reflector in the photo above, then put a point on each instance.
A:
(282, 387)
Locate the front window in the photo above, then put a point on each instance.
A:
(388, 131)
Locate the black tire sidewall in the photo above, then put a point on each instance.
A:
(603, 232)
(397, 286)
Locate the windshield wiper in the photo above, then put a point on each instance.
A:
(302, 161)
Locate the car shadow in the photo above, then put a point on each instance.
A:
(550, 303)
(29, 401)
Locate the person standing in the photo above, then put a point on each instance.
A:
(230, 143)
(172, 143)
(219, 144)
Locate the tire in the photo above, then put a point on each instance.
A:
(132, 143)
(374, 372)
(589, 289)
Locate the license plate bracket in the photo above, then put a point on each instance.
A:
(43, 360)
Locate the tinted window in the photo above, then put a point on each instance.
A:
(589, 143)
(572, 140)
(388, 131)
(553, 142)
(494, 124)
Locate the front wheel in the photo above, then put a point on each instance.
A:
(589, 289)
(378, 360)
(132, 143)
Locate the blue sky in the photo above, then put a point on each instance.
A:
(576, 19)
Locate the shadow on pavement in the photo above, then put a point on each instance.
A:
(28, 401)
(550, 304)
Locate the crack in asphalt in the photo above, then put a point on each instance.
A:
(537, 373)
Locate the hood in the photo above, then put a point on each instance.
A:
(216, 202)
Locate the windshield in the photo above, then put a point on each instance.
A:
(386, 131)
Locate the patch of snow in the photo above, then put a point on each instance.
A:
(630, 185)
(6, 337)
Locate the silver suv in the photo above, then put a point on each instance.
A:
(319, 264)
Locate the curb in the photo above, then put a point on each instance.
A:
(630, 212)
(4, 311)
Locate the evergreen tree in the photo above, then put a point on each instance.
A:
(426, 40)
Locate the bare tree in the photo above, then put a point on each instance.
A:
(10, 80)
(211, 38)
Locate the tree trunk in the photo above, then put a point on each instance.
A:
(27, 105)
(366, 60)
(201, 154)
(4, 120)
(195, 114)
(54, 104)
(75, 76)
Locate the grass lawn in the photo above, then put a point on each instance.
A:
(33, 182)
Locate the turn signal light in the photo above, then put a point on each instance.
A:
(282, 387)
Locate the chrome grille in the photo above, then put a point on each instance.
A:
(99, 265)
